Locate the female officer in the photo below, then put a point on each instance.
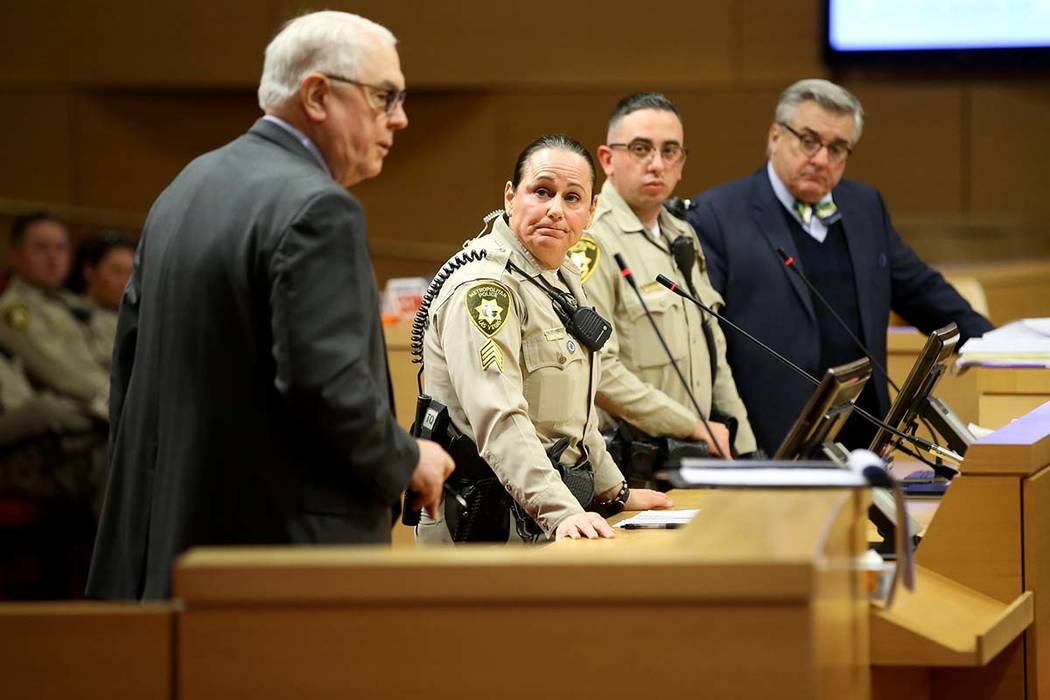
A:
(511, 349)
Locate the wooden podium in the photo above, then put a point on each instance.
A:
(985, 562)
(757, 598)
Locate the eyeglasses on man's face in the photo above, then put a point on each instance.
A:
(643, 149)
(810, 144)
(388, 98)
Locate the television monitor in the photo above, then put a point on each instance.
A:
(913, 399)
(974, 31)
(825, 412)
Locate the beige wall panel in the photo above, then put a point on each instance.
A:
(777, 41)
(911, 147)
(128, 146)
(482, 43)
(168, 42)
(33, 41)
(442, 175)
(1008, 155)
(725, 132)
(34, 143)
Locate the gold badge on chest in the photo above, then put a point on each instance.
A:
(488, 306)
(585, 255)
(17, 317)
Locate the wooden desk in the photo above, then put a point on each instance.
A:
(755, 599)
(86, 650)
(1004, 393)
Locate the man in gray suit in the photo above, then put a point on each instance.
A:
(250, 399)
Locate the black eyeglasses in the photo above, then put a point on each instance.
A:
(643, 149)
(810, 144)
(390, 97)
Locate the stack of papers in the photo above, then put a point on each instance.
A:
(658, 519)
(1024, 343)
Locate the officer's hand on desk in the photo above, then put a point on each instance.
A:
(427, 481)
(721, 448)
(647, 499)
(589, 525)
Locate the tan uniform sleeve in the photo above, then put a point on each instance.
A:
(724, 396)
(485, 373)
(72, 372)
(620, 392)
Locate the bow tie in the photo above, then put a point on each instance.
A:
(827, 212)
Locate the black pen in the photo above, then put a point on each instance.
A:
(652, 526)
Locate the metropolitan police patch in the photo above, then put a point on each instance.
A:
(488, 305)
(585, 255)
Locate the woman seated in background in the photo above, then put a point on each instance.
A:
(100, 273)
(511, 349)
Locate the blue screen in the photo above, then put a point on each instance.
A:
(909, 25)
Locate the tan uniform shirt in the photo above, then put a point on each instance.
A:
(638, 383)
(103, 332)
(14, 387)
(513, 379)
(57, 349)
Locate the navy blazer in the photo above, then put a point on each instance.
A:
(742, 223)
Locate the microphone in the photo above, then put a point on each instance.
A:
(684, 252)
(789, 263)
(931, 448)
(625, 272)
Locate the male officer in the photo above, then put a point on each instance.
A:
(47, 327)
(643, 158)
(840, 235)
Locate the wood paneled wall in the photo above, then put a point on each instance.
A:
(101, 104)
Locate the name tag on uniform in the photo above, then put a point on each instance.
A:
(651, 287)
(554, 333)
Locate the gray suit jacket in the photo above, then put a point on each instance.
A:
(250, 398)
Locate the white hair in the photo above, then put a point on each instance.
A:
(319, 42)
(828, 95)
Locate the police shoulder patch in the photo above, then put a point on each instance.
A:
(17, 316)
(585, 254)
(488, 306)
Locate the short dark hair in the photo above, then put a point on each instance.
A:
(559, 141)
(23, 222)
(92, 251)
(641, 100)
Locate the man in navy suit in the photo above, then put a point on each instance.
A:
(840, 236)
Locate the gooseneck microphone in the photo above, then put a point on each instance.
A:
(931, 448)
(625, 272)
(789, 263)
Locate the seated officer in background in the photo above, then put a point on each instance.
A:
(839, 234)
(47, 327)
(643, 159)
(102, 268)
(50, 450)
(511, 350)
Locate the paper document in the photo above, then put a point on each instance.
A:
(659, 519)
(1028, 338)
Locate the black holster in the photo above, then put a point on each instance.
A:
(579, 478)
(640, 456)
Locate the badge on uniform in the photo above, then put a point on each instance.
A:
(585, 255)
(488, 305)
(17, 316)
